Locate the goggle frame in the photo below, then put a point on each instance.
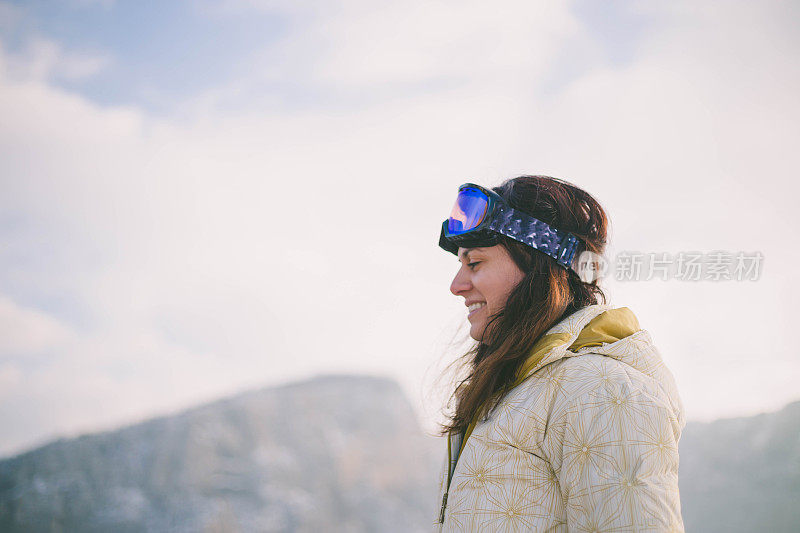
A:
(502, 219)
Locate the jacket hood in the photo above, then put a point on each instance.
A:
(603, 330)
(592, 326)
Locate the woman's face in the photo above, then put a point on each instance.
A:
(485, 279)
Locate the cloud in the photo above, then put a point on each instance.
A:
(422, 42)
(27, 331)
(222, 247)
(43, 60)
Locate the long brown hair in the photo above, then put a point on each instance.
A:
(546, 294)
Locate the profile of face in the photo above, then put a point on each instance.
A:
(485, 279)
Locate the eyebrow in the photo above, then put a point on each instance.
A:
(466, 252)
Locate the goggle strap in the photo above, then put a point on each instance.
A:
(560, 245)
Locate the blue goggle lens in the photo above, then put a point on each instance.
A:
(468, 211)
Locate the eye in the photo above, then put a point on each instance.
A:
(473, 264)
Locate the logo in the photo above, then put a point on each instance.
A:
(591, 266)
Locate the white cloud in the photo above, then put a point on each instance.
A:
(27, 331)
(417, 42)
(43, 59)
(227, 249)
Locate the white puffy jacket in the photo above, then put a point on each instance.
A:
(586, 441)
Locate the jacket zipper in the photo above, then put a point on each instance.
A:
(444, 504)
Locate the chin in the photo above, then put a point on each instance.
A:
(475, 332)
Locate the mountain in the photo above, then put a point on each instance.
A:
(336, 453)
(742, 474)
(343, 453)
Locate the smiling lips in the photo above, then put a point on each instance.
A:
(474, 307)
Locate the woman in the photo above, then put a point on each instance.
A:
(567, 419)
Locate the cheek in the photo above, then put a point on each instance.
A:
(513, 276)
(502, 287)
(495, 292)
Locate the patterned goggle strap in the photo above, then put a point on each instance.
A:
(560, 245)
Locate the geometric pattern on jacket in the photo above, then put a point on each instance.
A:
(587, 442)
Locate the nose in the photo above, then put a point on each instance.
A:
(460, 282)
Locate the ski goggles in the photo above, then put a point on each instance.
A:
(480, 216)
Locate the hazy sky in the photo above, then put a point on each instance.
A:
(201, 197)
